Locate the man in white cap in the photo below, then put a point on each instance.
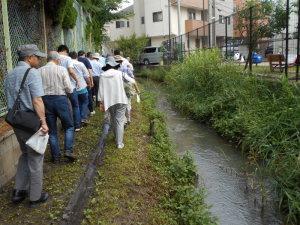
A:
(29, 176)
(97, 71)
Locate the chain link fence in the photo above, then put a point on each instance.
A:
(242, 36)
(29, 24)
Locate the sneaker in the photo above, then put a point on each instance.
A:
(120, 146)
(85, 122)
(93, 113)
(69, 155)
(44, 197)
(55, 160)
(78, 129)
(18, 196)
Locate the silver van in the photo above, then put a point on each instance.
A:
(151, 55)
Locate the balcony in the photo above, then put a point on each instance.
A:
(194, 4)
(191, 25)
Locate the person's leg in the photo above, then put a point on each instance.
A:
(91, 104)
(35, 164)
(75, 107)
(22, 175)
(119, 123)
(128, 111)
(112, 113)
(65, 116)
(96, 88)
(83, 106)
(51, 117)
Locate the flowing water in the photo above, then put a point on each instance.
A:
(235, 195)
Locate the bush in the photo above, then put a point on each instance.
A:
(262, 116)
(184, 201)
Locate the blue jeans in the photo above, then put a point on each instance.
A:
(91, 103)
(58, 106)
(75, 108)
(83, 100)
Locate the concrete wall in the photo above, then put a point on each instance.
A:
(9, 155)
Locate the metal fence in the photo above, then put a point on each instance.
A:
(241, 35)
(23, 22)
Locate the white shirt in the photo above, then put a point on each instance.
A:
(81, 73)
(66, 61)
(111, 88)
(96, 67)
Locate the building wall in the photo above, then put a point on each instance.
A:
(9, 155)
(115, 33)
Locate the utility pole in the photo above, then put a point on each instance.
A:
(287, 37)
(179, 27)
(179, 17)
(214, 23)
(169, 42)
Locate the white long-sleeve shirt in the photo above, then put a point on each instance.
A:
(111, 88)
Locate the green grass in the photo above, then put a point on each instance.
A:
(261, 116)
(146, 182)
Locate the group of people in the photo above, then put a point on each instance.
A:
(68, 88)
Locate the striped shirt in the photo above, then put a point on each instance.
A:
(56, 80)
(96, 67)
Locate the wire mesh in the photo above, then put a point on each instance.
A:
(2, 66)
(26, 26)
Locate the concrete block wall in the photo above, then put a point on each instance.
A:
(9, 155)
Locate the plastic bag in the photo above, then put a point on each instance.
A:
(138, 99)
(38, 142)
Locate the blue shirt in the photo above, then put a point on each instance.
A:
(33, 86)
(86, 62)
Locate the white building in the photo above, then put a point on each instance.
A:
(151, 18)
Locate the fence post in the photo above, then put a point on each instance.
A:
(250, 39)
(44, 26)
(298, 45)
(209, 41)
(287, 37)
(188, 42)
(6, 35)
(226, 37)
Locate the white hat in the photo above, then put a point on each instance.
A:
(96, 56)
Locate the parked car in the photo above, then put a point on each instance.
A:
(256, 58)
(151, 55)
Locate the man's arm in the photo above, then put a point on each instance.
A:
(39, 107)
(73, 74)
(91, 77)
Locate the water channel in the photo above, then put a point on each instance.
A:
(234, 194)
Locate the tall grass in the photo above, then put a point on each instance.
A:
(262, 116)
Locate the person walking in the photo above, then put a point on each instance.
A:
(97, 71)
(29, 176)
(66, 61)
(57, 84)
(83, 77)
(113, 99)
(130, 89)
(82, 58)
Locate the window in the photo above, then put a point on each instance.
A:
(192, 14)
(128, 23)
(142, 20)
(221, 19)
(120, 24)
(157, 16)
(150, 50)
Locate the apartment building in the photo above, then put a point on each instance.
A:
(151, 18)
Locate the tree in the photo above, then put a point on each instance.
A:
(101, 11)
(132, 46)
(267, 20)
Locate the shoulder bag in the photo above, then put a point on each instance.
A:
(20, 119)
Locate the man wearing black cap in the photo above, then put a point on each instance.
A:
(29, 176)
